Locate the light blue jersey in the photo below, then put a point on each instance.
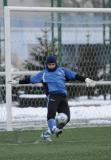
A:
(55, 80)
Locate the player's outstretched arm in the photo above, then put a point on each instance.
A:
(70, 75)
(27, 79)
(89, 82)
(18, 80)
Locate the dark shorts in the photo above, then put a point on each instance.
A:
(57, 103)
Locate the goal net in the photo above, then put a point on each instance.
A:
(81, 39)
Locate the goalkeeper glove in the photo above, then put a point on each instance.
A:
(90, 82)
(14, 81)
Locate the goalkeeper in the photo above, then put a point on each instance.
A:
(53, 78)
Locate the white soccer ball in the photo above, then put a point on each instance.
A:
(61, 118)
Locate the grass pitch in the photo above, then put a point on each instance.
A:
(73, 144)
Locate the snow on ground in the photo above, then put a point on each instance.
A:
(93, 111)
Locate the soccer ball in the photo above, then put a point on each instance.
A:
(61, 118)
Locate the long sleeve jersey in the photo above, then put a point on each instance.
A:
(54, 82)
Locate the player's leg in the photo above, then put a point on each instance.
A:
(51, 113)
(64, 108)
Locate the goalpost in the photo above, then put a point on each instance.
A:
(63, 25)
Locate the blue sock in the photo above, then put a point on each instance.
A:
(51, 124)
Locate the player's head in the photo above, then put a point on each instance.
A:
(51, 62)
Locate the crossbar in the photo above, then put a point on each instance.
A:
(60, 9)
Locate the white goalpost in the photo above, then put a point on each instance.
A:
(76, 47)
